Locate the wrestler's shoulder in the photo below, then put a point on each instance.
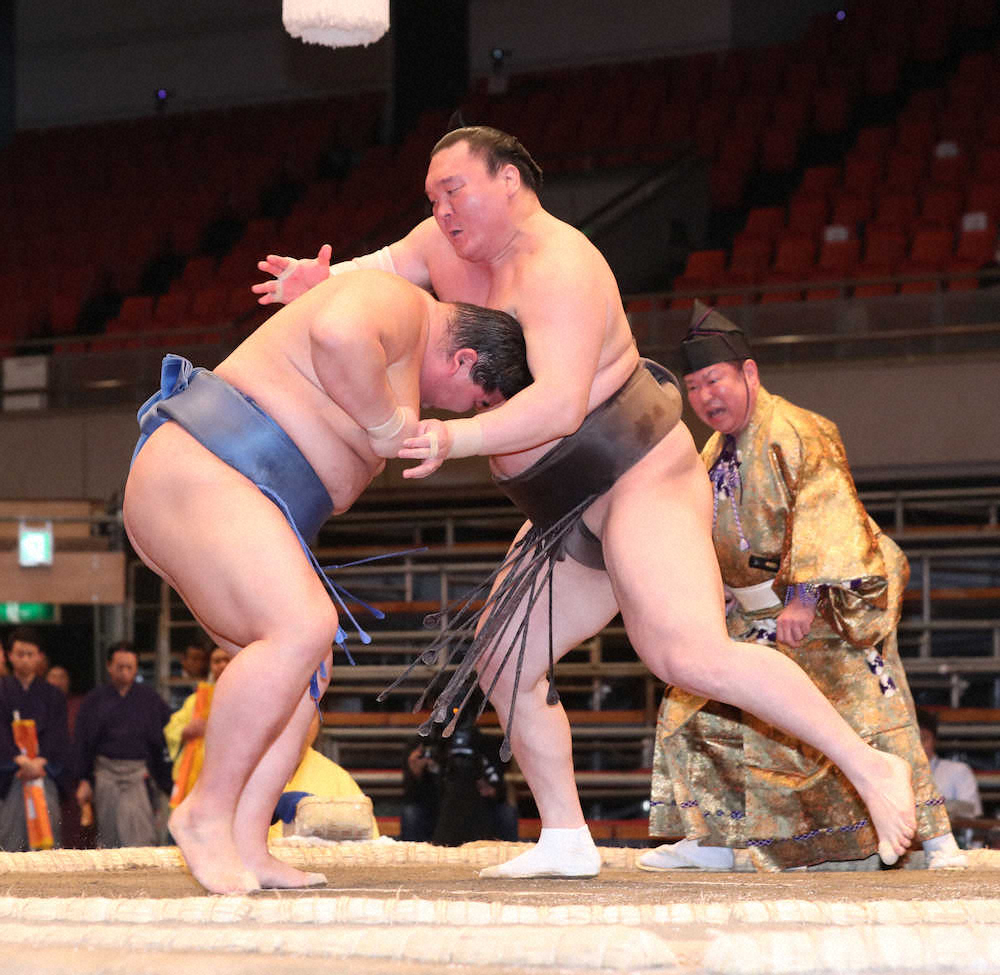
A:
(557, 250)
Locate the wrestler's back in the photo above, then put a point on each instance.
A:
(274, 366)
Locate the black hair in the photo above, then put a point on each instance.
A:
(927, 719)
(24, 634)
(497, 338)
(496, 149)
(200, 641)
(122, 646)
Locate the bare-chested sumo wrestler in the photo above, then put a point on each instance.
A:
(643, 542)
(236, 469)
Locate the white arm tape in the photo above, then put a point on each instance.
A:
(380, 260)
(389, 428)
(466, 437)
(279, 290)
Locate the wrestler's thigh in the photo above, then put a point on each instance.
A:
(583, 603)
(662, 564)
(216, 539)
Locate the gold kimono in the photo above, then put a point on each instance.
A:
(724, 777)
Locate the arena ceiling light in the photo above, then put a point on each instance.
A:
(336, 23)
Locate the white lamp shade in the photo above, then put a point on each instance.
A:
(336, 23)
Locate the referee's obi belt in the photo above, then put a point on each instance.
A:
(756, 599)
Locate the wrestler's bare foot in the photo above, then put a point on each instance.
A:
(210, 853)
(274, 874)
(888, 793)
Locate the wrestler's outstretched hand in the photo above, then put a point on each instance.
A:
(292, 276)
(430, 445)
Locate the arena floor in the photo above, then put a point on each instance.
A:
(411, 909)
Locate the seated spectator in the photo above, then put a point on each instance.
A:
(954, 780)
(454, 790)
(121, 754)
(185, 731)
(26, 695)
(316, 775)
(421, 791)
(43, 665)
(75, 835)
(193, 670)
(58, 676)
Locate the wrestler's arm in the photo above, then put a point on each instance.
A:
(351, 353)
(294, 276)
(563, 311)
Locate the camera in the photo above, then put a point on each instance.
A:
(466, 761)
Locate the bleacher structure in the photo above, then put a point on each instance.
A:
(949, 637)
(854, 183)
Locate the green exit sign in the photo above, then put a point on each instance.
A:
(27, 612)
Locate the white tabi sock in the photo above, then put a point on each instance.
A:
(558, 853)
(943, 853)
(687, 855)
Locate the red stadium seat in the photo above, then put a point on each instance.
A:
(807, 214)
(862, 174)
(819, 180)
(172, 309)
(985, 197)
(950, 170)
(977, 247)
(840, 256)
(932, 248)
(976, 67)
(896, 211)
(199, 272)
(706, 265)
(873, 142)
(884, 247)
(778, 296)
(210, 306)
(829, 292)
(851, 209)
(916, 134)
(930, 252)
(738, 277)
(751, 255)
(64, 313)
(987, 168)
(135, 315)
(763, 223)
(874, 290)
(904, 170)
(941, 208)
(796, 254)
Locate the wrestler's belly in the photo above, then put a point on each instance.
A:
(332, 443)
